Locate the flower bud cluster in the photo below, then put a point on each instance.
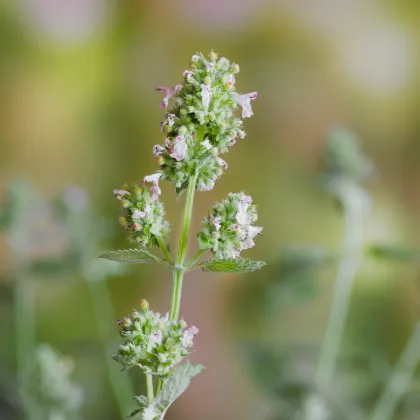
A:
(201, 124)
(154, 343)
(142, 214)
(229, 228)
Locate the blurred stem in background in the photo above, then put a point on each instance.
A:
(25, 328)
(400, 379)
(105, 316)
(355, 203)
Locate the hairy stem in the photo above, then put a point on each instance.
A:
(104, 308)
(25, 327)
(355, 204)
(149, 382)
(178, 272)
(400, 379)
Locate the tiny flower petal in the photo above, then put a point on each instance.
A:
(242, 216)
(154, 179)
(195, 58)
(188, 75)
(138, 214)
(158, 150)
(169, 92)
(216, 223)
(245, 102)
(222, 163)
(120, 194)
(206, 144)
(180, 148)
(205, 95)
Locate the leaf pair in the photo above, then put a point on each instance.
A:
(141, 256)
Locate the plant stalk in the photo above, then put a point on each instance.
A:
(179, 269)
(355, 203)
(400, 379)
(25, 328)
(104, 316)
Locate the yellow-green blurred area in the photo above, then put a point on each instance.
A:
(78, 107)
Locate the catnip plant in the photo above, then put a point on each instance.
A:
(200, 126)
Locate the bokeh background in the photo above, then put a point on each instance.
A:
(78, 107)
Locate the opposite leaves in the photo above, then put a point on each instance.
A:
(233, 265)
(129, 256)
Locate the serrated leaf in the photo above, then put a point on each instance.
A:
(233, 265)
(172, 388)
(129, 256)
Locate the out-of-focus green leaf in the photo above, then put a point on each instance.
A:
(394, 252)
(234, 265)
(129, 256)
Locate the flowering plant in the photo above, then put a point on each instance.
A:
(200, 127)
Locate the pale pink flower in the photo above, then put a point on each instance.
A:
(206, 144)
(222, 163)
(195, 58)
(188, 74)
(231, 81)
(242, 216)
(169, 92)
(253, 231)
(120, 194)
(210, 66)
(154, 179)
(179, 149)
(245, 102)
(158, 150)
(138, 214)
(156, 337)
(188, 336)
(205, 95)
(216, 223)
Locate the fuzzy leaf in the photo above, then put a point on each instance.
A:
(233, 265)
(129, 256)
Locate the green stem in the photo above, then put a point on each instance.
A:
(164, 249)
(354, 200)
(25, 327)
(193, 260)
(400, 379)
(104, 316)
(149, 382)
(179, 269)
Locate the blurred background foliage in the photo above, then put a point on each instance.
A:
(78, 107)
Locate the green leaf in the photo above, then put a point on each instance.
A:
(172, 388)
(129, 256)
(394, 252)
(233, 265)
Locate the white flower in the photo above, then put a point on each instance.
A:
(210, 66)
(180, 148)
(242, 216)
(205, 95)
(171, 119)
(252, 232)
(158, 150)
(195, 58)
(138, 214)
(206, 186)
(206, 144)
(242, 134)
(188, 336)
(154, 179)
(245, 102)
(156, 337)
(169, 92)
(247, 199)
(216, 222)
(188, 74)
(222, 163)
(120, 194)
(223, 63)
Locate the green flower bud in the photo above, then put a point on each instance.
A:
(144, 304)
